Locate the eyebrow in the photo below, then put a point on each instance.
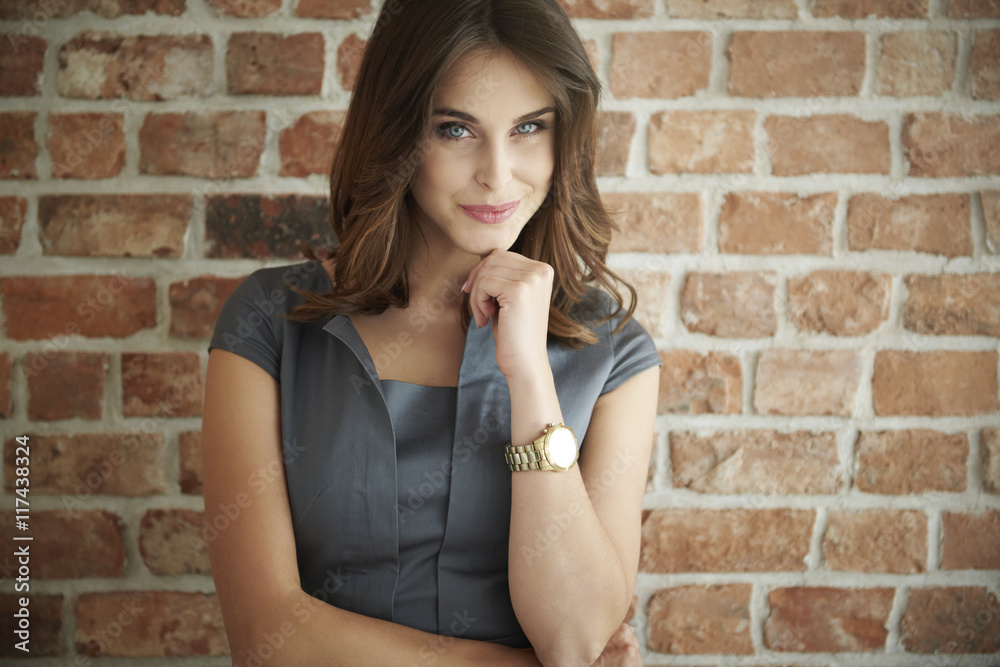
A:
(461, 115)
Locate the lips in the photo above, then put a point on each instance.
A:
(492, 215)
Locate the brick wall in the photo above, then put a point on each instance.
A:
(811, 208)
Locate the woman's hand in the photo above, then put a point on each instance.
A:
(622, 649)
(515, 292)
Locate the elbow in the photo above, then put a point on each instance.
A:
(569, 652)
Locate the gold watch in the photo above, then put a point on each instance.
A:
(556, 450)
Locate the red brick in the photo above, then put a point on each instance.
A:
(22, 60)
(12, 213)
(262, 227)
(990, 455)
(859, 9)
(608, 9)
(778, 223)
(210, 145)
(827, 144)
(986, 65)
(702, 142)
(86, 464)
(38, 307)
(911, 461)
(136, 624)
(732, 9)
(195, 304)
(841, 303)
(962, 619)
(940, 145)
(940, 224)
(828, 620)
(807, 382)
(102, 65)
(614, 137)
(696, 383)
(893, 541)
(796, 63)
(974, 9)
(701, 619)
(917, 63)
(696, 540)
(971, 541)
(333, 9)
(662, 222)
(660, 65)
(651, 287)
(17, 139)
(86, 145)
(72, 545)
(991, 214)
(935, 383)
(45, 624)
(171, 542)
(259, 63)
(33, 9)
(730, 305)
(756, 461)
(349, 55)
(245, 8)
(308, 146)
(189, 444)
(163, 384)
(64, 385)
(6, 368)
(114, 225)
(953, 304)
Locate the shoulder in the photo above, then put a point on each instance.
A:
(279, 280)
(251, 321)
(599, 311)
(628, 347)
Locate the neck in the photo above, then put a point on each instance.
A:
(436, 278)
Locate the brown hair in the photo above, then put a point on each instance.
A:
(414, 45)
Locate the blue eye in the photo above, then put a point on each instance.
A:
(526, 128)
(454, 131)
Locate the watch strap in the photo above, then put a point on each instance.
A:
(526, 457)
(532, 455)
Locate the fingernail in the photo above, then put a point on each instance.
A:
(464, 285)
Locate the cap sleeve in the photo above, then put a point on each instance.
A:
(246, 326)
(633, 350)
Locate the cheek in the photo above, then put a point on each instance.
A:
(440, 173)
(542, 165)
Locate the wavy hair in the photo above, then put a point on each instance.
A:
(414, 45)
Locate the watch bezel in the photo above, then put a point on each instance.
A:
(550, 433)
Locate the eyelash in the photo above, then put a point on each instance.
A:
(442, 130)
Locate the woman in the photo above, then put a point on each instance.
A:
(398, 482)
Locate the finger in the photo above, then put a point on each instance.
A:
(470, 285)
(492, 293)
(492, 275)
(492, 283)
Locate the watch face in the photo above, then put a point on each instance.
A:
(560, 448)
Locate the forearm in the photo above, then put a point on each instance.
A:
(567, 580)
(301, 630)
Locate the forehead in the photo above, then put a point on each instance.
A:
(482, 81)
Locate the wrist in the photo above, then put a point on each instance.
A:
(531, 379)
(534, 405)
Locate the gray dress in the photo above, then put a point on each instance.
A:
(346, 459)
(424, 423)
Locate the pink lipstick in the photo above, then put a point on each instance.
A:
(492, 215)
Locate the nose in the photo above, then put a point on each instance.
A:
(494, 171)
